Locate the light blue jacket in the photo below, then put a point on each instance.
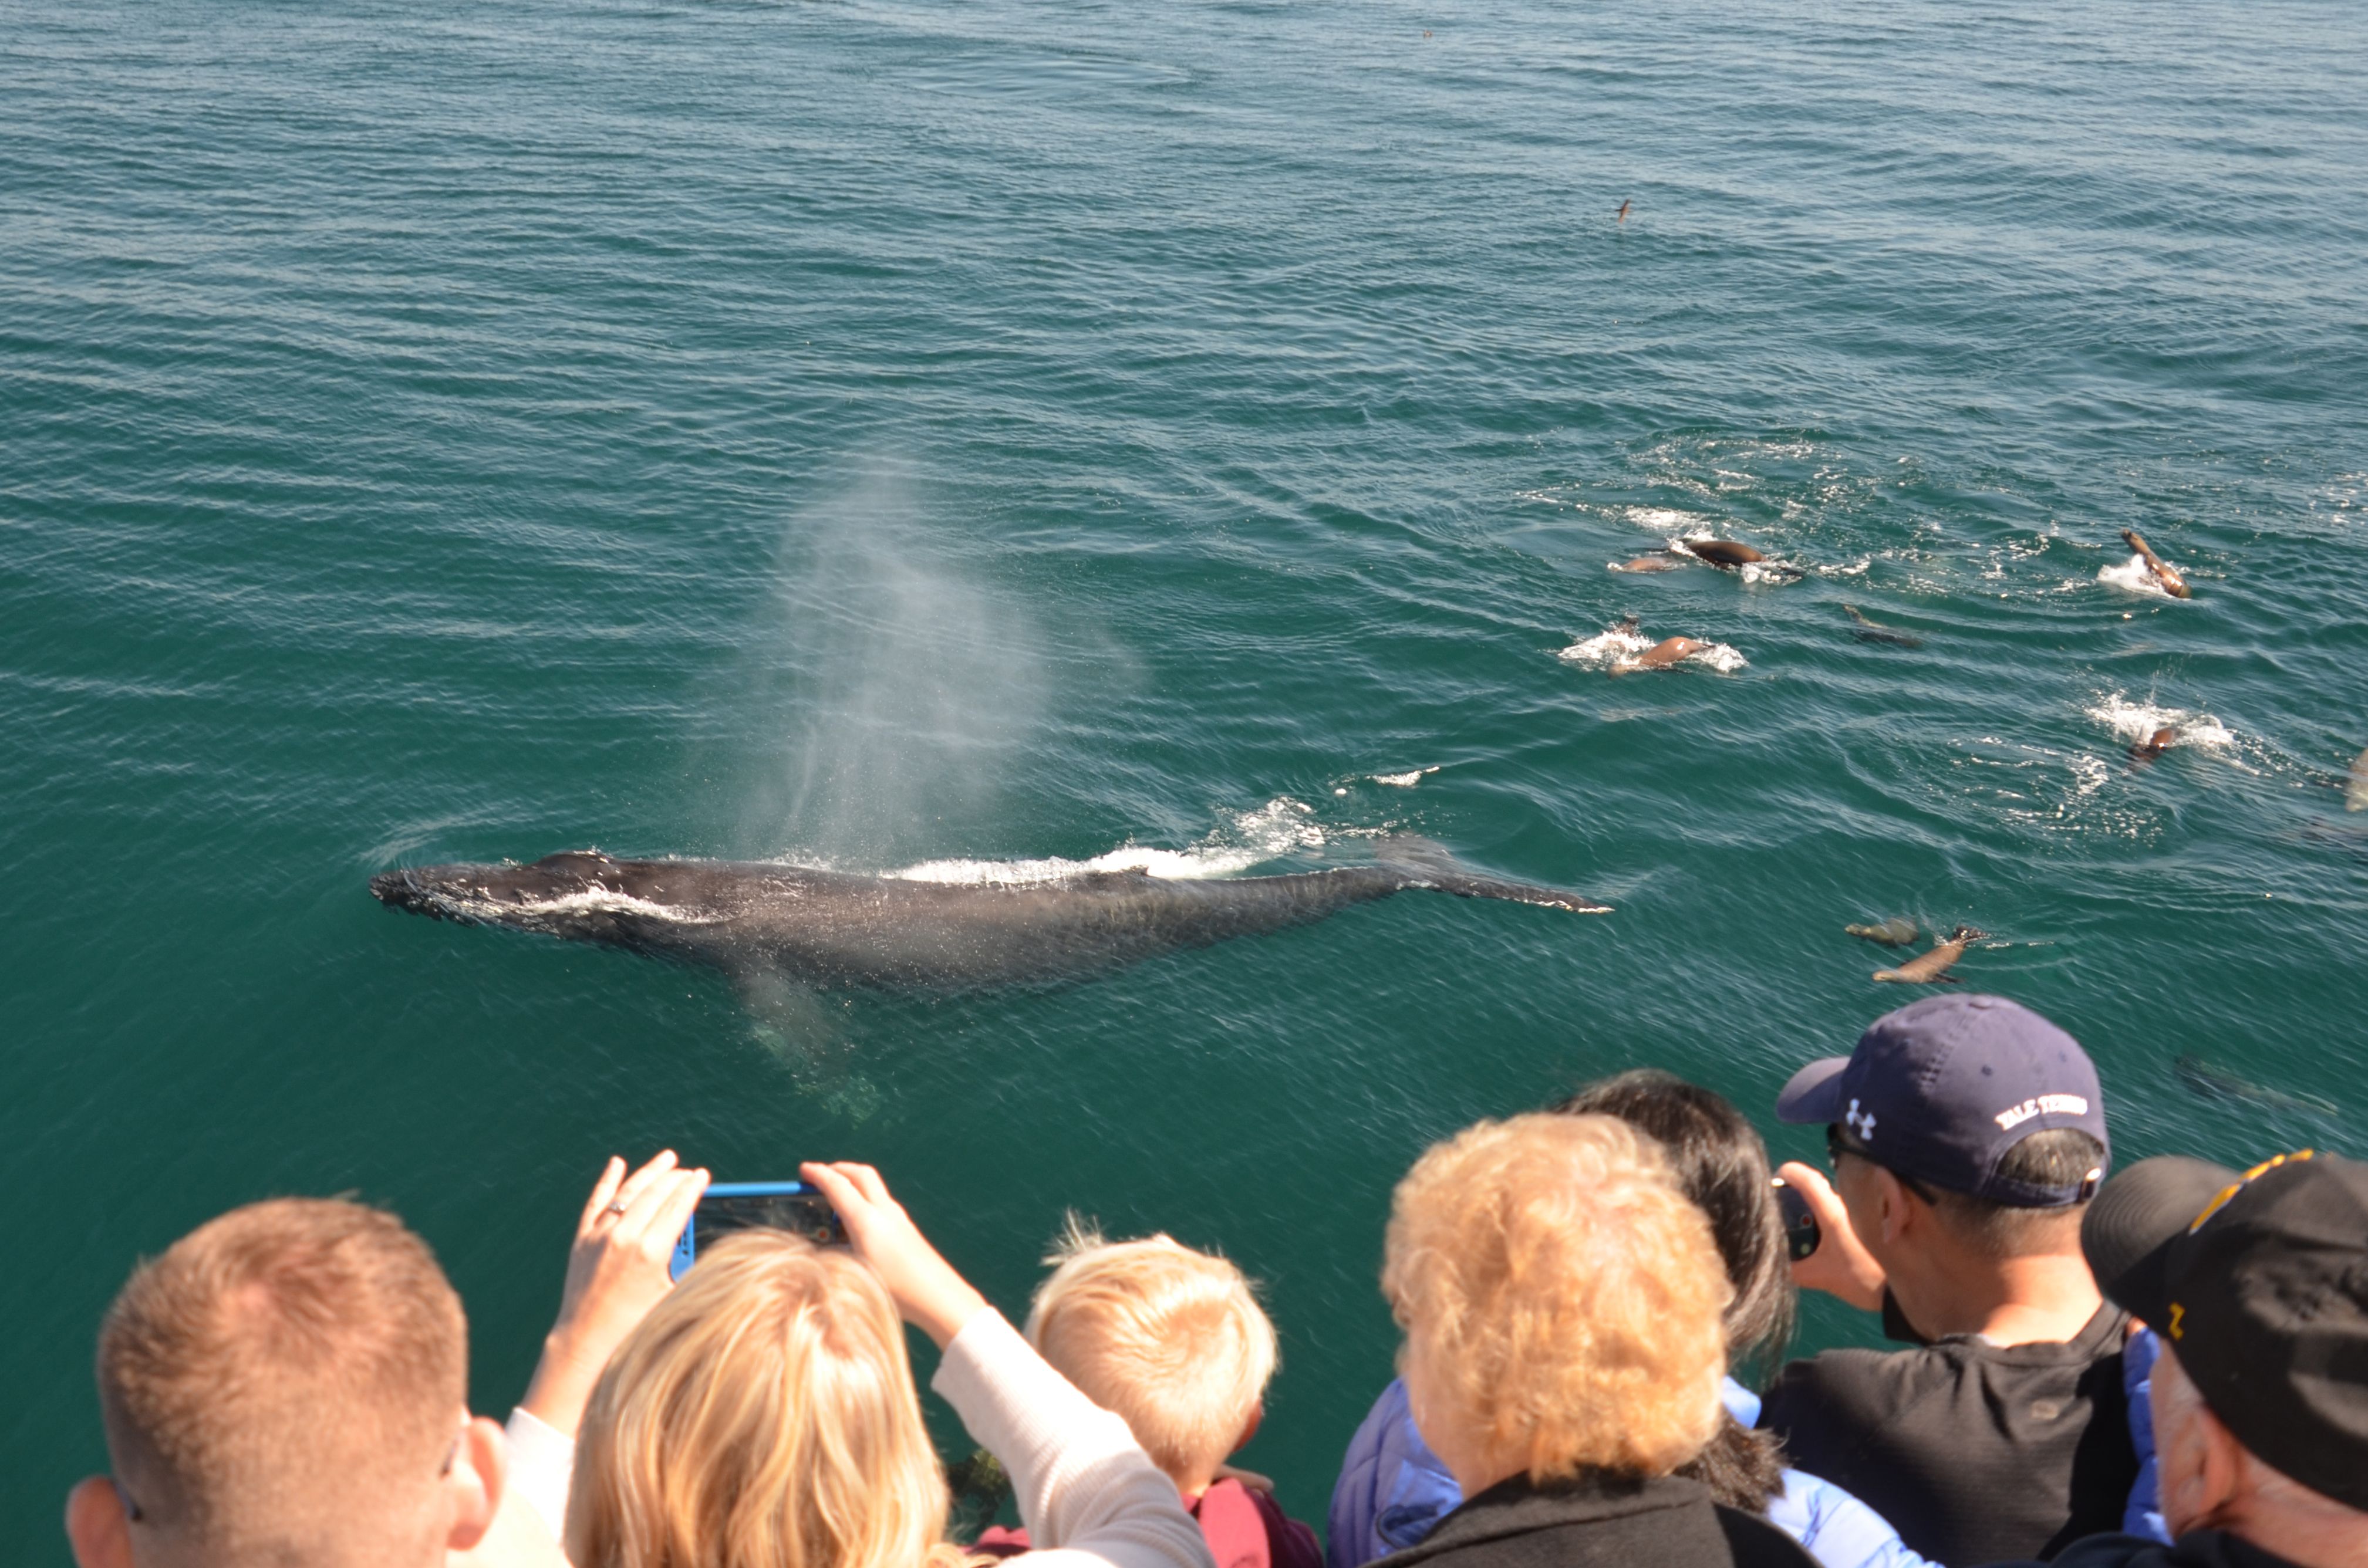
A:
(1393, 1489)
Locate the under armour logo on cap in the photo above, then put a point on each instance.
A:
(1860, 1123)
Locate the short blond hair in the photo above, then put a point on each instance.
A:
(283, 1377)
(1171, 1340)
(763, 1415)
(1564, 1294)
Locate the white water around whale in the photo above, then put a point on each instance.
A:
(1283, 826)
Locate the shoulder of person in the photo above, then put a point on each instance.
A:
(1850, 1376)
(1755, 1544)
(2113, 1549)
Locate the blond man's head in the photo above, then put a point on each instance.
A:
(1561, 1300)
(763, 1415)
(290, 1380)
(1169, 1338)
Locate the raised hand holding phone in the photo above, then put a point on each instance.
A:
(927, 1291)
(1842, 1265)
(617, 1270)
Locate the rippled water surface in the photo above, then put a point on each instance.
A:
(876, 435)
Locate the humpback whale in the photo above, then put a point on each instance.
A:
(837, 929)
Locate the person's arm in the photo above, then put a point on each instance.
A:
(1836, 1528)
(1088, 1494)
(617, 1270)
(1842, 1265)
(1087, 1490)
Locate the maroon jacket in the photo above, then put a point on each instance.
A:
(1244, 1528)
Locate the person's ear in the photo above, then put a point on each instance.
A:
(1891, 1203)
(2223, 1464)
(97, 1527)
(473, 1486)
(1250, 1427)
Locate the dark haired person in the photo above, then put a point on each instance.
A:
(1967, 1135)
(1394, 1488)
(2259, 1283)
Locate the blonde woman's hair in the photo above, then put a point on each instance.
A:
(1171, 1340)
(1563, 1295)
(762, 1417)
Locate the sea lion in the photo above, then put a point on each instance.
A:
(831, 928)
(2205, 1079)
(1723, 554)
(1655, 560)
(1932, 968)
(1662, 655)
(2143, 754)
(2164, 573)
(1890, 933)
(1875, 632)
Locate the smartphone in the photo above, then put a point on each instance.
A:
(1800, 1233)
(729, 1206)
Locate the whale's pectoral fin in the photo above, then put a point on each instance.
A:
(787, 1018)
(1425, 863)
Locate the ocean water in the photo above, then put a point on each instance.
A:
(884, 434)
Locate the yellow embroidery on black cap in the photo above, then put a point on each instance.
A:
(2172, 1328)
(2221, 1198)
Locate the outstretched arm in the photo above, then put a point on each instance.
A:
(1088, 1494)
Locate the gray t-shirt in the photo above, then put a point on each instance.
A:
(1975, 1452)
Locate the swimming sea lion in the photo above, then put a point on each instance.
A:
(1875, 632)
(2164, 573)
(2205, 1079)
(1662, 655)
(1932, 968)
(1657, 561)
(1890, 933)
(2153, 746)
(1723, 554)
(831, 928)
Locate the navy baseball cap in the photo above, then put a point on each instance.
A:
(1940, 1089)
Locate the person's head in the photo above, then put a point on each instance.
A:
(1561, 1300)
(2258, 1284)
(1171, 1340)
(763, 1415)
(288, 1383)
(1719, 1161)
(1965, 1124)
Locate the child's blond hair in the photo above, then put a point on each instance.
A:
(1171, 1340)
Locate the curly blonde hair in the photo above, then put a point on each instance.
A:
(1564, 1295)
(1171, 1340)
(763, 1415)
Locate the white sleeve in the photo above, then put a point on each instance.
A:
(543, 1461)
(1088, 1494)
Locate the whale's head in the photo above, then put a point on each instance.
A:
(542, 894)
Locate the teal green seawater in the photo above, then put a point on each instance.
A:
(875, 433)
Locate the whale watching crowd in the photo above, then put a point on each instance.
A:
(2159, 1367)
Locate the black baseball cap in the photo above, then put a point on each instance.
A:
(1940, 1089)
(2258, 1280)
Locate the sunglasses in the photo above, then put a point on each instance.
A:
(1838, 1142)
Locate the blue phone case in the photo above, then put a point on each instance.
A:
(686, 1247)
